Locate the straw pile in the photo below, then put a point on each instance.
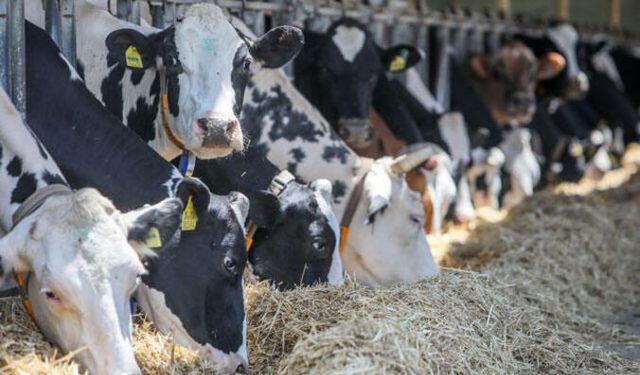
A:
(534, 296)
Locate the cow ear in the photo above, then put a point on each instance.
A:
(195, 197)
(130, 48)
(480, 66)
(265, 209)
(277, 47)
(152, 227)
(550, 65)
(240, 205)
(377, 188)
(323, 186)
(400, 58)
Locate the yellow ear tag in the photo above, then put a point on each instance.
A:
(153, 238)
(397, 64)
(576, 150)
(189, 217)
(133, 58)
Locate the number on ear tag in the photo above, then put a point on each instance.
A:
(189, 217)
(133, 58)
(153, 240)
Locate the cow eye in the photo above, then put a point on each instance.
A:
(230, 265)
(246, 64)
(51, 297)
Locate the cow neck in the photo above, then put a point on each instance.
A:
(352, 202)
(188, 158)
(276, 187)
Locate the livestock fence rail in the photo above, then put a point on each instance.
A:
(390, 22)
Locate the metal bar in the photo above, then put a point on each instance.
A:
(4, 53)
(157, 16)
(614, 13)
(128, 10)
(53, 20)
(15, 34)
(68, 47)
(562, 9)
(504, 6)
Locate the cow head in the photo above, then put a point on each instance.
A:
(390, 245)
(562, 38)
(338, 70)
(207, 64)
(194, 289)
(507, 79)
(83, 257)
(300, 246)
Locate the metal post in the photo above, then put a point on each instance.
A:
(562, 9)
(157, 16)
(4, 53)
(68, 47)
(128, 10)
(422, 41)
(614, 13)
(53, 21)
(504, 6)
(15, 34)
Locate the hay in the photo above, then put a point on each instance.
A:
(534, 297)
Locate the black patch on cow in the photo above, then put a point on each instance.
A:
(173, 94)
(339, 190)
(25, 187)
(14, 168)
(52, 178)
(1, 268)
(0, 155)
(111, 90)
(335, 152)
(297, 154)
(136, 76)
(240, 76)
(292, 167)
(141, 119)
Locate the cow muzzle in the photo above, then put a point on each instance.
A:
(217, 131)
(577, 87)
(357, 132)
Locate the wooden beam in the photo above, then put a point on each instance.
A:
(562, 9)
(504, 6)
(614, 13)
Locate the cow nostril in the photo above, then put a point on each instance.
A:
(241, 369)
(231, 126)
(203, 124)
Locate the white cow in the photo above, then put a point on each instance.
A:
(80, 254)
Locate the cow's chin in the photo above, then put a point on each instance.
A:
(211, 152)
(506, 118)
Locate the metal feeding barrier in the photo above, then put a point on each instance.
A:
(390, 22)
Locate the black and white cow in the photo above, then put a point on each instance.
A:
(572, 82)
(296, 242)
(194, 288)
(337, 72)
(81, 254)
(627, 60)
(202, 63)
(386, 242)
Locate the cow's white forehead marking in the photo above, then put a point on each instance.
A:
(349, 41)
(207, 14)
(565, 38)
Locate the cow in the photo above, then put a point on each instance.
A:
(194, 288)
(180, 88)
(627, 59)
(296, 236)
(506, 80)
(385, 242)
(337, 72)
(81, 256)
(572, 83)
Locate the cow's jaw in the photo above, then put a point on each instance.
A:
(152, 301)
